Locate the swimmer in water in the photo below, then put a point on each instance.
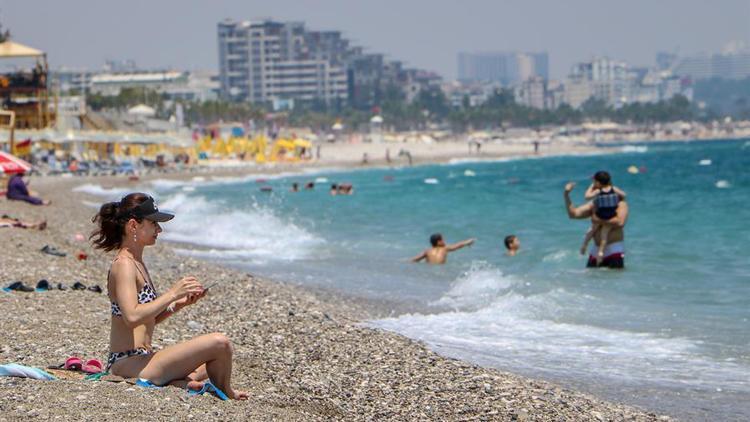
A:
(438, 253)
(512, 244)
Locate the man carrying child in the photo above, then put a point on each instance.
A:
(609, 213)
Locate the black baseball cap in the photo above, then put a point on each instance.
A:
(148, 210)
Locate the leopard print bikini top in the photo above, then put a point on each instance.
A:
(146, 295)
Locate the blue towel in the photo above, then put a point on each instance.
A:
(210, 388)
(145, 383)
(21, 371)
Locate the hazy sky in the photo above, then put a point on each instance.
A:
(423, 33)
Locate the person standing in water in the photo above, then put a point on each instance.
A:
(438, 253)
(614, 251)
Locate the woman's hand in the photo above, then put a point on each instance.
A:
(188, 286)
(189, 300)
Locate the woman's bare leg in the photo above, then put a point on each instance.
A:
(180, 361)
(194, 381)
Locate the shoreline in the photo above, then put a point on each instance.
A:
(302, 354)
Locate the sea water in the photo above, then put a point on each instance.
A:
(670, 332)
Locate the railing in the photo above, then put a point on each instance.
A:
(23, 80)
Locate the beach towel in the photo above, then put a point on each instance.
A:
(21, 371)
(208, 387)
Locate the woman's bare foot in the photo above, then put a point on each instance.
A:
(194, 385)
(238, 395)
(187, 384)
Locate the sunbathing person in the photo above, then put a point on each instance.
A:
(6, 221)
(18, 191)
(128, 226)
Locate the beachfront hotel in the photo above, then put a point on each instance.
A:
(270, 62)
(507, 68)
(278, 63)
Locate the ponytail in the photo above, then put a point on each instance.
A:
(111, 220)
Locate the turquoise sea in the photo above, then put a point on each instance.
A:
(669, 333)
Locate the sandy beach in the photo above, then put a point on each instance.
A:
(302, 354)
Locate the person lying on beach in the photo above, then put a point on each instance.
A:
(128, 226)
(18, 191)
(438, 253)
(604, 197)
(512, 244)
(6, 221)
(614, 252)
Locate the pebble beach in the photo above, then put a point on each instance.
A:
(301, 354)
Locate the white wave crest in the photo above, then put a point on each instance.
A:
(635, 148)
(478, 286)
(98, 190)
(530, 333)
(233, 234)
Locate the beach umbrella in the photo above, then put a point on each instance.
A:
(11, 164)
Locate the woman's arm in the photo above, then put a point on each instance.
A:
(126, 295)
(177, 305)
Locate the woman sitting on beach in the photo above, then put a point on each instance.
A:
(128, 226)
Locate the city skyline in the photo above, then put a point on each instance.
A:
(169, 34)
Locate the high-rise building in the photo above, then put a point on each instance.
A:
(508, 68)
(275, 62)
(729, 65)
(602, 78)
(617, 84)
(665, 60)
(268, 61)
(533, 93)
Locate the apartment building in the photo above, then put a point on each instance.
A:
(267, 61)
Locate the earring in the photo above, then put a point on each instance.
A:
(135, 238)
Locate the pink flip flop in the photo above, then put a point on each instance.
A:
(73, 364)
(93, 366)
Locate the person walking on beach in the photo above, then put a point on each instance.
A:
(128, 226)
(614, 251)
(438, 253)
